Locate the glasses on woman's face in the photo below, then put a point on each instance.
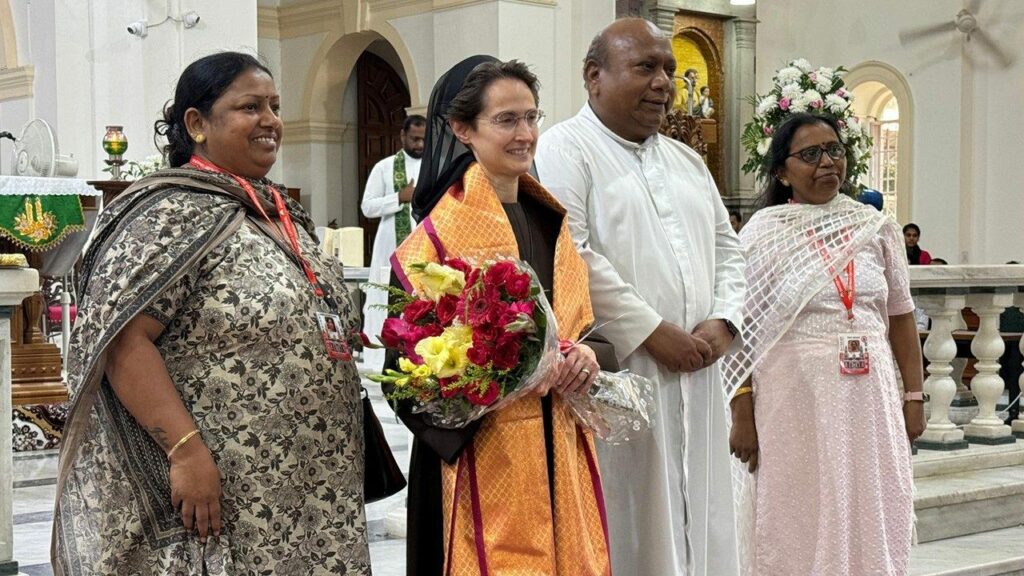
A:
(812, 154)
(508, 121)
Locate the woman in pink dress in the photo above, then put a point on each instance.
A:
(818, 420)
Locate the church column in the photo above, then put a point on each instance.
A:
(663, 16)
(739, 111)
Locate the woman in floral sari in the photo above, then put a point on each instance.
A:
(211, 431)
(519, 491)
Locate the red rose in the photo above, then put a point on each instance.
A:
(506, 353)
(525, 307)
(518, 286)
(417, 310)
(471, 279)
(487, 333)
(499, 273)
(458, 264)
(420, 332)
(488, 396)
(496, 312)
(394, 333)
(480, 354)
(447, 306)
(448, 389)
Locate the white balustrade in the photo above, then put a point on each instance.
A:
(943, 291)
(987, 385)
(940, 349)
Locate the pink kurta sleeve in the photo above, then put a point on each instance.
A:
(897, 271)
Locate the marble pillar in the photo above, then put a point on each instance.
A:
(987, 385)
(15, 286)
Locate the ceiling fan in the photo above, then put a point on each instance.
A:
(966, 23)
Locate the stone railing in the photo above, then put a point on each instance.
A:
(942, 292)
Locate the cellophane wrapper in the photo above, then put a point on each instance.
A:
(619, 406)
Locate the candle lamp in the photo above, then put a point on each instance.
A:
(115, 143)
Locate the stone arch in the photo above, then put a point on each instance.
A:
(899, 88)
(8, 32)
(334, 62)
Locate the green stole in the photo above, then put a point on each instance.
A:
(403, 220)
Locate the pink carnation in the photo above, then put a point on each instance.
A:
(784, 104)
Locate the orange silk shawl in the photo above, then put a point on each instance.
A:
(499, 517)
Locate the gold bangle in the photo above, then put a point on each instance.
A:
(181, 443)
(740, 392)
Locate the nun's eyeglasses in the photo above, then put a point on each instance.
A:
(509, 121)
(812, 154)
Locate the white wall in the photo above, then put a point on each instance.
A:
(104, 76)
(967, 183)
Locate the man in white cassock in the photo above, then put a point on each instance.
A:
(667, 285)
(387, 196)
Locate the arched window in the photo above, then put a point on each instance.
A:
(882, 100)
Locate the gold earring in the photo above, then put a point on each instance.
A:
(783, 180)
(199, 138)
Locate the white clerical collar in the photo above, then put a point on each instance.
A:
(588, 113)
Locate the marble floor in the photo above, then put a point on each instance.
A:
(989, 553)
(35, 486)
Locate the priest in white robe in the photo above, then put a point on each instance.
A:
(667, 286)
(387, 196)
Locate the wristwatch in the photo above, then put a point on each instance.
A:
(913, 396)
(730, 327)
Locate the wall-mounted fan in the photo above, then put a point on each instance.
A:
(36, 154)
(966, 24)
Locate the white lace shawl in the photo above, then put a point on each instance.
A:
(793, 251)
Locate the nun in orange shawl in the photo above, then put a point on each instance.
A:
(519, 491)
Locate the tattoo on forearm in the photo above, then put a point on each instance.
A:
(158, 434)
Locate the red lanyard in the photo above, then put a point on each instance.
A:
(846, 291)
(282, 212)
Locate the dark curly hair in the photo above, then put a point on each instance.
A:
(199, 86)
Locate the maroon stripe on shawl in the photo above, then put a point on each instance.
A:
(455, 510)
(396, 266)
(428, 227)
(478, 519)
(595, 480)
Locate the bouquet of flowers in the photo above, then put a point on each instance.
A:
(473, 339)
(801, 88)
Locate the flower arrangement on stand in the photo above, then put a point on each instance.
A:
(799, 87)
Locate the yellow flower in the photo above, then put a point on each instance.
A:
(445, 355)
(406, 365)
(401, 382)
(421, 372)
(437, 280)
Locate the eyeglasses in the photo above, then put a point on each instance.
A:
(812, 154)
(508, 121)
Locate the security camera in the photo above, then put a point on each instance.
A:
(138, 28)
(190, 19)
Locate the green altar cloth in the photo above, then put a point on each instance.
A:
(40, 222)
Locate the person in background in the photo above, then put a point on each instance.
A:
(707, 106)
(915, 255)
(735, 220)
(387, 196)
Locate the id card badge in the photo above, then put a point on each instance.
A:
(333, 337)
(854, 359)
